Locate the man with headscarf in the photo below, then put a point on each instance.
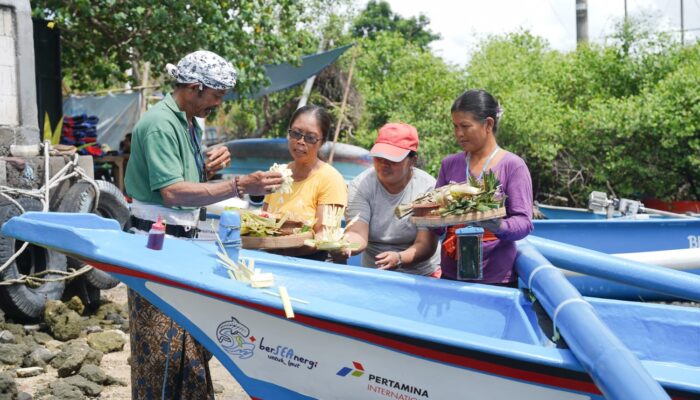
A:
(167, 177)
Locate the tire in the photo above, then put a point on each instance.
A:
(80, 198)
(20, 301)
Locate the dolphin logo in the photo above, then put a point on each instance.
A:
(231, 335)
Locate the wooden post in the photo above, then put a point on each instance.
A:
(144, 85)
(342, 107)
(310, 82)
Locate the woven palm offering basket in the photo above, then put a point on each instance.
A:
(436, 221)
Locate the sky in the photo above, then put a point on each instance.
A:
(463, 23)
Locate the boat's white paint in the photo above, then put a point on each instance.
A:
(328, 353)
(680, 259)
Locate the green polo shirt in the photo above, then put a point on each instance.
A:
(161, 152)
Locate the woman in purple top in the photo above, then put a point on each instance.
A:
(475, 116)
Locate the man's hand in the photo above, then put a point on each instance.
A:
(259, 183)
(217, 159)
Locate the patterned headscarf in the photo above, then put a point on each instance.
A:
(204, 67)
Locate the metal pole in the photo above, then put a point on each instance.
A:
(581, 21)
(682, 27)
(625, 11)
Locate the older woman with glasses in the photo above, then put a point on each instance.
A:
(317, 185)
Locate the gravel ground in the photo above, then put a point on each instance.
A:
(116, 365)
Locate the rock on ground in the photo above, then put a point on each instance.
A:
(106, 342)
(64, 323)
(73, 368)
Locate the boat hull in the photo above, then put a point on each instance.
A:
(365, 333)
(277, 358)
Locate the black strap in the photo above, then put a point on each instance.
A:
(172, 230)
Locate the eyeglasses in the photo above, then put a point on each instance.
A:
(296, 135)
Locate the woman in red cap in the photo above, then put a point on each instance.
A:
(385, 241)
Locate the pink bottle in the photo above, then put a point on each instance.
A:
(156, 235)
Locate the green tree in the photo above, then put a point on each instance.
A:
(378, 17)
(102, 39)
(401, 82)
(621, 117)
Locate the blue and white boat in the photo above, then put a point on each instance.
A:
(622, 236)
(559, 212)
(671, 243)
(368, 334)
(250, 155)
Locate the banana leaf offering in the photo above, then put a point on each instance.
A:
(457, 199)
(263, 224)
(332, 236)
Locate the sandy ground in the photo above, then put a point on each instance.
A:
(116, 365)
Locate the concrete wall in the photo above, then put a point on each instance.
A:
(18, 111)
(9, 99)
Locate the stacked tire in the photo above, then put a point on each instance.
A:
(22, 302)
(80, 198)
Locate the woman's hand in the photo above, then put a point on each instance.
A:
(492, 225)
(388, 260)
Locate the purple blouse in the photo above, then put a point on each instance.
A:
(499, 255)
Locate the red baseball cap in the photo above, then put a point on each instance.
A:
(395, 141)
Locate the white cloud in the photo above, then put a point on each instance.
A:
(462, 24)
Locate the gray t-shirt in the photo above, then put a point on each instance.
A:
(368, 198)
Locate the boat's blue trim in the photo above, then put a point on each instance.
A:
(615, 370)
(663, 280)
(553, 212)
(622, 236)
(598, 287)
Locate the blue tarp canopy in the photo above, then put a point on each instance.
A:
(283, 76)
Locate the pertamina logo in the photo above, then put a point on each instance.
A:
(357, 372)
(391, 388)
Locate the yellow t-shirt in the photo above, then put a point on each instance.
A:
(323, 186)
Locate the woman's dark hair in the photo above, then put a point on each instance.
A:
(479, 103)
(321, 115)
(417, 161)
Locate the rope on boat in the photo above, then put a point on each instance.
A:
(535, 271)
(69, 171)
(35, 280)
(559, 308)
